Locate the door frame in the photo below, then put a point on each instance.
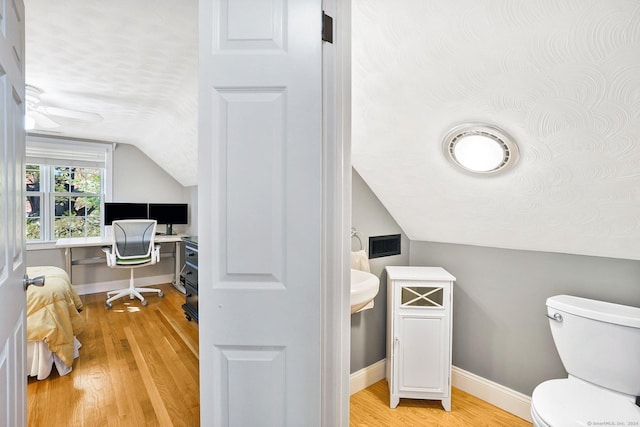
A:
(335, 312)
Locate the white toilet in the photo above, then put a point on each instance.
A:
(599, 345)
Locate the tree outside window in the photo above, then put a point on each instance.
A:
(33, 203)
(76, 215)
(73, 201)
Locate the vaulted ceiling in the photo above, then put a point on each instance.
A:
(561, 76)
(133, 63)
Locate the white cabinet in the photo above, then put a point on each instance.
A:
(419, 312)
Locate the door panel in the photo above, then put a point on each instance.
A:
(421, 354)
(12, 267)
(260, 212)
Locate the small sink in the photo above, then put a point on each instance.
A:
(364, 287)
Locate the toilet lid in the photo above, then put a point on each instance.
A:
(572, 402)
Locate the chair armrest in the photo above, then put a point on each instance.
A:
(111, 257)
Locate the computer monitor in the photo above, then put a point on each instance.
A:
(117, 211)
(169, 214)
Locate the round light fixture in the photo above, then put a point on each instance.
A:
(480, 148)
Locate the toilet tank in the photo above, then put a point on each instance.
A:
(598, 341)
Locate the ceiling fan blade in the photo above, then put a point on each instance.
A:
(32, 95)
(42, 121)
(72, 114)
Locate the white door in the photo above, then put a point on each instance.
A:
(260, 212)
(13, 376)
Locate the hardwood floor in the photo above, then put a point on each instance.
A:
(138, 366)
(370, 408)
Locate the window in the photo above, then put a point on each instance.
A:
(33, 203)
(66, 186)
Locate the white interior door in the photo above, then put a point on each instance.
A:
(260, 212)
(13, 377)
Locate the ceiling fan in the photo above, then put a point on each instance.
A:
(43, 117)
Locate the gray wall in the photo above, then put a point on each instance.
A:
(136, 178)
(192, 229)
(500, 331)
(368, 328)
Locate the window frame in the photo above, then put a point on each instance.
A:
(50, 153)
(40, 194)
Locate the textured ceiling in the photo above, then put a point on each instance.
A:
(561, 76)
(133, 62)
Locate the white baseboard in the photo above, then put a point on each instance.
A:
(94, 288)
(504, 398)
(367, 376)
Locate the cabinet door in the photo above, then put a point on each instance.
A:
(423, 345)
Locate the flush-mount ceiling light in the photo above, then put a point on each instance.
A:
(480, 148)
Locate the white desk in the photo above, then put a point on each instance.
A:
(68, 243)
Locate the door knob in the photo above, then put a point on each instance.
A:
(36, 281)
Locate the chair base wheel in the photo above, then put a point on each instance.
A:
(145, 303)
(160, 294)
(107, 305)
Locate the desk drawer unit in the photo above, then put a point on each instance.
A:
(192, 299)
(191, 253)
(190, 274)
(190, 278)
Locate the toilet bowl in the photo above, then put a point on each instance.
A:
(599, 345)
(572, 402)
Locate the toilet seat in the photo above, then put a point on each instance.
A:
(572, 402)
(536, 418)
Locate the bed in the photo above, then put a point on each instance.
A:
(53, 322)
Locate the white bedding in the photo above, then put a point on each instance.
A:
(40, 359)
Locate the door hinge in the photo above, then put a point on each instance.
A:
(327, 28)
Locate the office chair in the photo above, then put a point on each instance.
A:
(132, 247)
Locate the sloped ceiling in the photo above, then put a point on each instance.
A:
(561, 76)
(132, 62)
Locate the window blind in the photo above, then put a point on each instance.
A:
(67, 153)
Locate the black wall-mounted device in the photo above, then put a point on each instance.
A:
(381, 246)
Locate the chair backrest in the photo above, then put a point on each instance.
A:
(133, 238)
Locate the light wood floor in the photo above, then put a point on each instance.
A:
(138, 366)
(370, 408)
